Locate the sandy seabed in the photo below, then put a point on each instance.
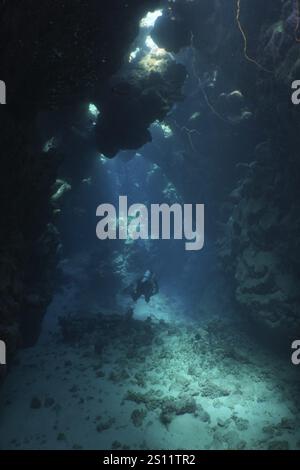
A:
(160, 383)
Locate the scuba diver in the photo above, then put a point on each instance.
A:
(146, 286)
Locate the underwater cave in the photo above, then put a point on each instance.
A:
(158, 325)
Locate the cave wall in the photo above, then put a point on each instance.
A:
(242, 141)
(260, 247)
(54, 56)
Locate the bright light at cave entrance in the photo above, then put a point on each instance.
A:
(149, 20)
(134, 54)
(150, 43)
(154, 49)
(94, 110)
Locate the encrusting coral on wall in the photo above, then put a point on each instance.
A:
(260, 245)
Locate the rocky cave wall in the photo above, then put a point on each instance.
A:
(260, 246)
(241, 143)
(55, 56)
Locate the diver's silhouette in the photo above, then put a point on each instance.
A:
(146, 286)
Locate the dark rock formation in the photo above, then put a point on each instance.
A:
(241, 144)
(105, 330)
(142, 94)
(55, 56)
(260, 247)
(185, 23)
